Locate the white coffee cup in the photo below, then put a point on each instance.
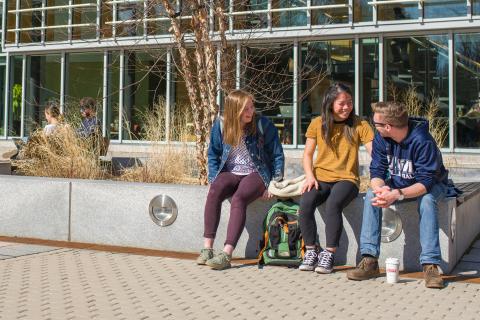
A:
(391, 266)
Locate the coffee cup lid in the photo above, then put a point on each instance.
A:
(392, 260)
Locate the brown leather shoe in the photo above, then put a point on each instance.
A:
(432, 277)
(366, 269)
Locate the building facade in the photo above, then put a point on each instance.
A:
(120, 53)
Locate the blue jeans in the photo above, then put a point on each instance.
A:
(428, 211)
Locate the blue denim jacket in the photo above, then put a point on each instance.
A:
(265, 149)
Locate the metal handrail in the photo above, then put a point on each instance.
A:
(54, 27)
(386, 2)
(81, 5)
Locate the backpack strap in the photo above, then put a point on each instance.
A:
(293, 237)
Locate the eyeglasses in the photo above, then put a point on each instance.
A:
(378, 124)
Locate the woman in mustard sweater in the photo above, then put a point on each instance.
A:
(333, 177)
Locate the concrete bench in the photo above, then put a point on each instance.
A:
(117, 213)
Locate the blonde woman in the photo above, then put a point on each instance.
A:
(243, 156)
(53, 116)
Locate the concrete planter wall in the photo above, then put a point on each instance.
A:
(116, 213)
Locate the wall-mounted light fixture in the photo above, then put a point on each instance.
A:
(391, 224)
(163, 210)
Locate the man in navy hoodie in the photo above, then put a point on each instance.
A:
(406, 163)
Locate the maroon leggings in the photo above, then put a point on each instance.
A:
(243, 190)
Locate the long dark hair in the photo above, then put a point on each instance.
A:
(327, 114)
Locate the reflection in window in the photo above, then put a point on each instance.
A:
(362, 11)
(181, 120)
(267, 72)
(85, 15)
(57, 17)
(30, 20)
(144, 87)
(131, 14)
(397, 11)
(441, 9)
(15, 107)
(11, 22)
(467, 55)
(420, 63)
(113, 74)
(323, 62)
(251, 20)
(156, 10)
(289, 18)
(329, 16)
(369, 75)
(476, 7)
(43, 86)
(84, 79)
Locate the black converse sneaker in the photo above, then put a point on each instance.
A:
(309, 260)
(325, 262)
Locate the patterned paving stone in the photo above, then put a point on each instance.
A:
(82, 284)
(24, 249)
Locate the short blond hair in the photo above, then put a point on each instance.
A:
(395, 113)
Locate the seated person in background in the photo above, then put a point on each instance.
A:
(52, 114)
(90, 124)
(406, 163)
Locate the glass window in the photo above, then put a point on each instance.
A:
(180, 111)
(397, 11)
(43, 85)
(329, 16)
(289, 18)
(144, 87)
(113, 109)
(2, 95)
(11, 22)
(84, 78)
(467, 76)
(420, 63)
(323, 62)
(362, 11)
(157, 11)
(30, 20)
(250, 20)
(131, 14)
(476, 7)
(369, 75)
(15, 107)
(445, 8)
(58, 18)
(86, 16)
(105, 18)
(267, 72)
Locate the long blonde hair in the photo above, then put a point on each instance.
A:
(235, 103)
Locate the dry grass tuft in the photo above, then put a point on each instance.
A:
(428, 109)
(62, 154)
(167, 162)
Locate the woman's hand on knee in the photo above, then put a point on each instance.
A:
(309, 183)
(267, 195)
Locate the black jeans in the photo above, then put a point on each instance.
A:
(337, 196)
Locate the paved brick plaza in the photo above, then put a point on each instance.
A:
(39, 282)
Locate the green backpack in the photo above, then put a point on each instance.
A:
(282, 243)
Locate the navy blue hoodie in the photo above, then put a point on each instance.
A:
(416, 159)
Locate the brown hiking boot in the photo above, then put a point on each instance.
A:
(432, 277)
(366, 269)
